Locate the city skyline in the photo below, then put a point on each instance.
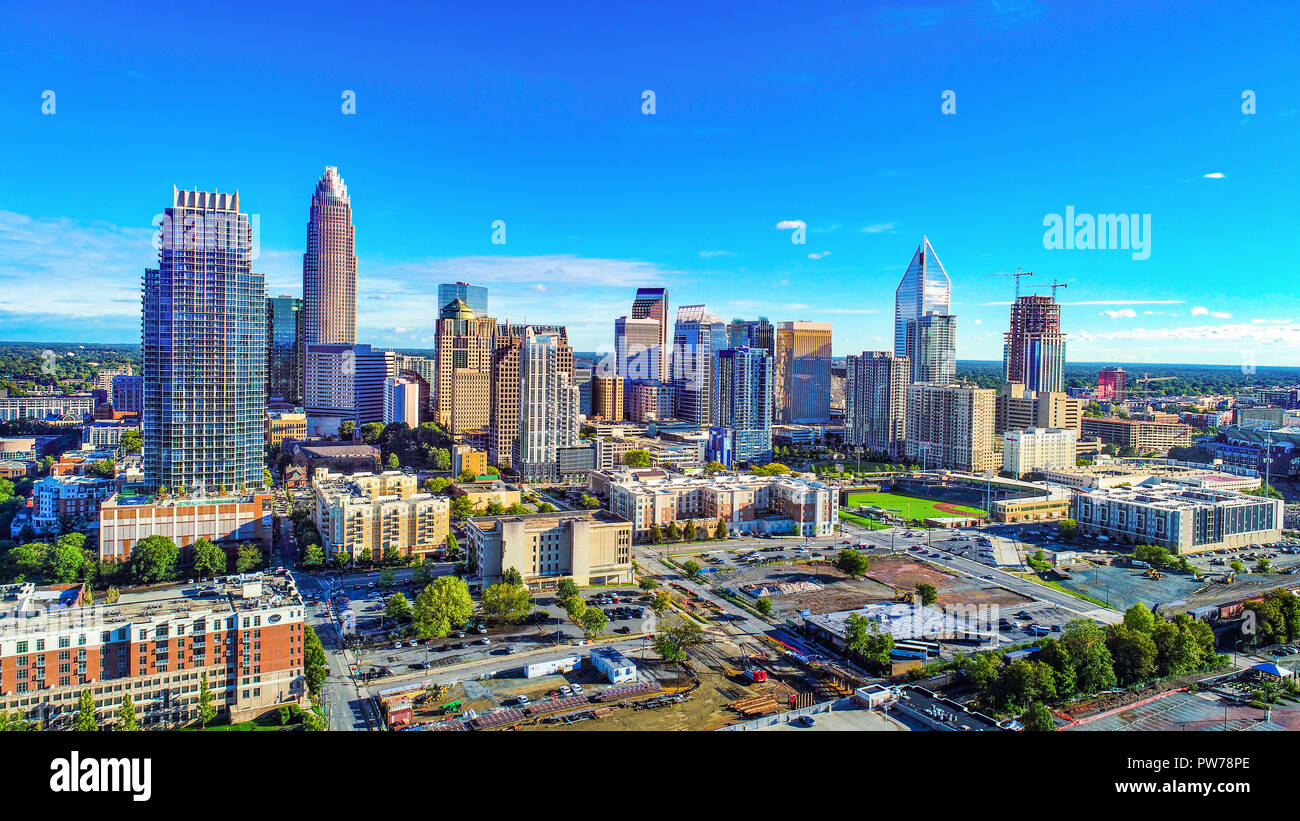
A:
(597, 199)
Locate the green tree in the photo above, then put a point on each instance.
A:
(647, 583)
(1094, 668)
(126, 718)
(656, 534)
(660, 602)
(1038, 718)
(132, 441)
(394, 463)
(1237, 566)
(248, 558)
(495, 508)
(864, 637)
(153, 559)
(565, 590)
(1068, 528)
(1133, 652)
(313, 661)
(513, 577)
(770, 469)
(720, 532)
(347, 429)
(461, 508)
(387, 578)
(436, 484)
(66, 560)
(209, 560)
(637, 458)
(442, 605)
(928, 593)
(546, 507)
(207, 704)
(853, 562)
(688, 532)
(509, 603)
(674, 532)
(764, 605)
(466, 476)
(714, 467)
(589, 502)
(594, 622)
(1138, 617)
(313, 557)
(691, 568)
(398, 608)
(85, 720)
(674, 642)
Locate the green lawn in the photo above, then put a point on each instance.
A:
(913, 507)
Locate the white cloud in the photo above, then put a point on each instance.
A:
(1214, 175)
(1200, 310)
(1122, 313)
(1259, 321)
(880, 228)
(819, 255)
(1220, 314)
(786, 225)
(1288, 335)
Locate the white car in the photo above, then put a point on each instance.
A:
(566, 690)
(577, 689)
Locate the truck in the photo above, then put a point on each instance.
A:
(755, 674)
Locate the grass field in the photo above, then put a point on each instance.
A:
(913, 507)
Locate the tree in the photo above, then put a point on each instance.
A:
(594, 622)
(387, 578)
(637, 458)
(673, 643)
(688, 532)
(509, 603)
(442, 605)
(674, 532)
(66, 560)
(347, 429)
(513, 577)
(126, 719)
(207, 705)
(85, 720)
(398, 608)
(153, 559)
(1094, 668)
(647, 583)
(461, 508)
(495, 508)
(770, 469)
(517, 509)
(720, 532)
(691, 568)
(714, 467)
(436, 484)
(371, 431)
(853, 562)
(764, 605)
(132, 441)
(660, 602)
(566, 590)
(928, 593)
(102, 469)
(1068, 527)
(313, 557)
(394, 463)
(248, 558)
(575, 607)
(209, 560)
(589, 502)
(1038, 718)
(546, 507)
(313, 661)
(1237, 566)
(1138, 617)
(656, 534)
(466, 476)
(864, 637)
(1133, 652)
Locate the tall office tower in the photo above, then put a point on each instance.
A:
(402, 400)
(875, 401)
(924, 289)
(639, 352)
(503, 425)
(742, 407)
(422, 390)
(931, 346)
(951, 427)
(427, 368)
(204, 349)
(752, 333)
(697, 338)
(284, 348)
(1034, 349)
(607, 398)
(803, 373)
(475, 296)
(548, 405)
(373, 368)
(329, 268)
(652, 303)
(128, 393)
(329, 387)
(1110, 384)
(465, 344)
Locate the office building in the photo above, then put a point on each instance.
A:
(204, 349)
(1178, 518)
(284, 348)
(648, 401)
(1033, 350)
(592, 547)
(502, 434)
(697, 337)
(652, 303)
(128, 393)
(639, 350)
(1034, 450)
(1019, 408)
(401, 401)
(465, 345)
(607, 393)
(924, 289)
(226, 519)
(475, 296)
(50, 408)
(548, 405)
(464, 458)
(951, 427)
(381, 515)
(742, 403)
(802, 388)
(1110, 384)
(931, 346)
(1144, 437)
(282, 425)
(875, 401)
(752, 333)
(329, 267)
(329, 386)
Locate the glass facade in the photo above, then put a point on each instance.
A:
(475, 296)
(924, 289)
(284, 349)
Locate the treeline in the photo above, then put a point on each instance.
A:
(71, 369)
(72, 558)
(1188, 379)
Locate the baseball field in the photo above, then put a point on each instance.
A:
(913, 507)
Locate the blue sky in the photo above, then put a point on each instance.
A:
(829, 114)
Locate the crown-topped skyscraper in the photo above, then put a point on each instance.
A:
(329, 268)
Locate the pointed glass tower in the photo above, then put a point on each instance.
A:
(924, 289)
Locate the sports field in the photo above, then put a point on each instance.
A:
(913, 507)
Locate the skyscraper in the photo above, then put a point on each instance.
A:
(204, 349)
(951, 427)
(548, 404)
(931, 346)
(652, 303)
(924, 289)
(742, 407)
(1033, 352)
(875, 406)
(465, 344)
(503, 426)
(803, 372)
(638, 348)
(1111, 384)
(475, 296)
(329, 267)
(284, 352)
(753, 333)
(697, 337)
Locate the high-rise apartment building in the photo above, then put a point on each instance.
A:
(475, 296)
(128, 393)
(875, 401)
(1018, 409)
(742, 407)
(374, 368)
(931, 345)
(1034, 349)
(465, 344)
(503, 425)
(284, 352)
(204, 348)
(329, 267)
(802, 389)
(697, 337)
(951, 427)
(924, 289)
(652, 303)
(1110, 384)
(548, 404)
(753, 333)
(607, 398)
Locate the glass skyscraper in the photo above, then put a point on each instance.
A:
(697, 338)
(329, 268)
(924, 289)
(742, 406)
(475, 296)
(284, 348)
(204, 349)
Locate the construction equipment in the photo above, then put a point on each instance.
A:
(1152, 573)
(1145, 379)
(1055, 284)
(1018, 274)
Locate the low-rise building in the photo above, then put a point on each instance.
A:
(1107, 472)
(282, 425)
(482, 494)
(48, 408)
(68, 498)
(464, 458)
(337, 457)
(1143, 436)
(228, 521)
(1035, 449)
(589, 547)
(379, 514)
(613, 665)
(907, 622)
(1178, 518)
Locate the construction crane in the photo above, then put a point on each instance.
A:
(1055, 284)
(1018, 274)
(1147, 378)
